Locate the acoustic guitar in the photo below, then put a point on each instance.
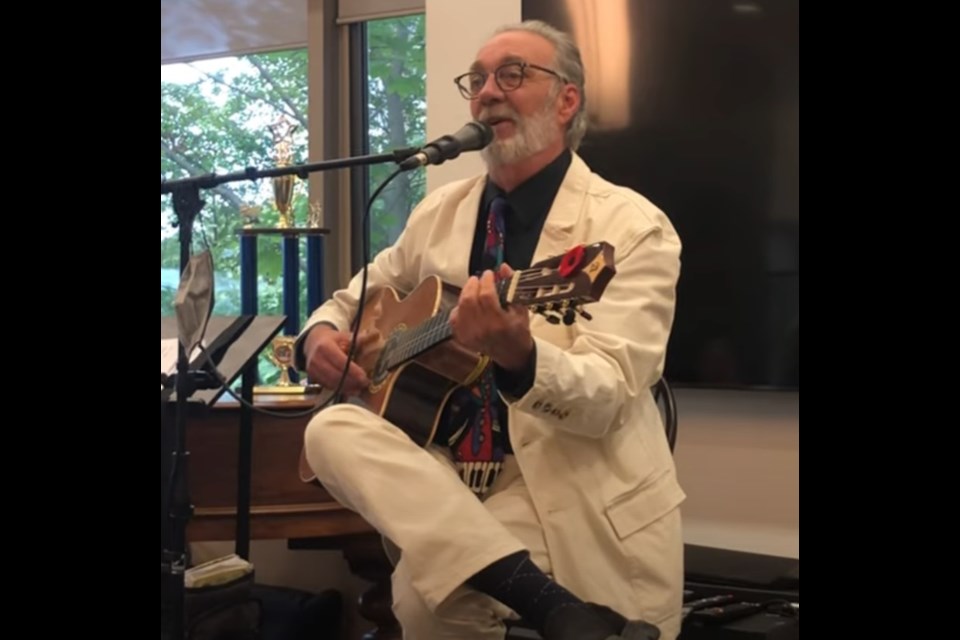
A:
(414, 366)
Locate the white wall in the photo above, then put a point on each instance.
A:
(456, 29)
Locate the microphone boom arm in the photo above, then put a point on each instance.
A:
(211, 180)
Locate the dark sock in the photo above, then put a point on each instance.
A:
(518, 583)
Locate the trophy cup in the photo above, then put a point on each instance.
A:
(282, 356)
(316, 215)
(283, 186)
(250, 215)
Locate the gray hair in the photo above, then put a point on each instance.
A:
(568, 64)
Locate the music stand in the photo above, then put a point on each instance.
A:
(233, 343)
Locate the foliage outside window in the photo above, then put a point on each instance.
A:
(397, 112)
(216, 117)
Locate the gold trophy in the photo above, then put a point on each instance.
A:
(283, 186)
(250, 215)
(316, 215)
(282, 355)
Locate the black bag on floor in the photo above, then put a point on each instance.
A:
(292, 614)
(223, 612)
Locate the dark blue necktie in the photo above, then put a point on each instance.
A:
(478, 446)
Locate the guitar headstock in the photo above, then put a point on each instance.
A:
(558, 287)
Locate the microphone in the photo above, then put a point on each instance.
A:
(473, 136)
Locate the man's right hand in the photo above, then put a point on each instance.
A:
(326, 351)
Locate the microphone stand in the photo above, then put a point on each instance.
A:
(173, 561)
(211, 180)
(178, 509)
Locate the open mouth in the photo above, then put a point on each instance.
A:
(498, 123)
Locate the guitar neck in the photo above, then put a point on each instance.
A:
(419, 339)
(556, 287)
(429, 334)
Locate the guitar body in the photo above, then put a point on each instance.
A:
(413, 401)
(413, 395)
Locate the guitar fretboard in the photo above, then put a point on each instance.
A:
(426, 335)
(419, 339)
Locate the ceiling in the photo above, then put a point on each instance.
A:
(192, 29)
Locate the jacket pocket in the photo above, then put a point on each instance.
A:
(637, 508)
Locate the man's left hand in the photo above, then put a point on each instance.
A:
(480, 322)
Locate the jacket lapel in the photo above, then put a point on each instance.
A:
(452, 260)
(566, 210)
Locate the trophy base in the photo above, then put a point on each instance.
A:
(276, 389)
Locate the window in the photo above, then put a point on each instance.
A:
(392, 111)
(220, 116)
(216, 116)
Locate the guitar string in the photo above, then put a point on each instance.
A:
(438, 328)
(434, 329)
(410, 343)
(418, 339)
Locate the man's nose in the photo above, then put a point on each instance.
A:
(490, 91)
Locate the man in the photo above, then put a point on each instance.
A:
(578, 482)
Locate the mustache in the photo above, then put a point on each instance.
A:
(501, 111)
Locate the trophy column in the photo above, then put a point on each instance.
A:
(290, 237)
(248, 274)
(314, 271)
(291, 284)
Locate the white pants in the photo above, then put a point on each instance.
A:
(414, 497)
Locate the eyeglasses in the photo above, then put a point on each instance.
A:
(508, 77)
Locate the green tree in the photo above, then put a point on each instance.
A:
(218, 121)
(398, 115)
(220, 124)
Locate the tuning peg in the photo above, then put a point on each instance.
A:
(584, 314)
(569, 317)
(552, 318)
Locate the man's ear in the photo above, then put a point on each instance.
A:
(569, 103)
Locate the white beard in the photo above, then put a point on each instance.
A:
(532, 135)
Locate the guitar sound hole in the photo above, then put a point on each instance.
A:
(381, 369)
